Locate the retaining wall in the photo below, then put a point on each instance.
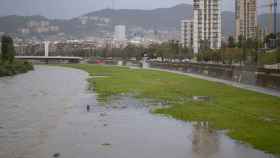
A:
(246, 74)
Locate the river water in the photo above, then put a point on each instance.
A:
(43, 114)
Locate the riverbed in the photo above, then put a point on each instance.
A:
(43, 114)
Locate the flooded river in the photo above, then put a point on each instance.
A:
(43, 114)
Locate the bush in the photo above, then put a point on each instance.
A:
(4, 71)
(269, 58)
(28, 66)
(9, 69)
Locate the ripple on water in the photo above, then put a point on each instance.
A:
(115, 132)
(57, 124)
(32, 104)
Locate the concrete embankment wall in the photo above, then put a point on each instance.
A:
(248, 74)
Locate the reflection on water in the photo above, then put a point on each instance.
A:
(205, 141)
(47, 115)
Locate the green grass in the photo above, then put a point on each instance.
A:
(249, 117)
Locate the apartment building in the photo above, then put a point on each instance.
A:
(120, 33)
(186, 33)
(205, 25)
(245, 18)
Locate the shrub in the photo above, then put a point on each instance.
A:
(9, 69)
(269, 58)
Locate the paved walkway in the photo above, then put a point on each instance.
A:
(231, 83)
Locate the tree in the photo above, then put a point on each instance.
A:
(7, 49)
(269, 39)
(186, 53)
(132, 50)
(231, 43)
(174, 49)
(204, 45)
(240, 42)
(151, 50)
(159, 50)
(278, 55)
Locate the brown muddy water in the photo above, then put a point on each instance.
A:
(43, 115)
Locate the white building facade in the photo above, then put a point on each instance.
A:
(120, 33)
(246, 19)
(186, 33)
(205, 25)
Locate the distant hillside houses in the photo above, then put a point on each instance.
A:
(38, 27)
(100, 20)
(159, 24)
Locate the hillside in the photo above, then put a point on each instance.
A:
(163, 18)
(100, 23)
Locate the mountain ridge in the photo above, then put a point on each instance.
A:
(97, 23)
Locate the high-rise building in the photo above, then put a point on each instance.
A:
(120, 33)
(205, 26)
(245, 18)
(186, 33)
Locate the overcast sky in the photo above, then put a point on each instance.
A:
(73, 8)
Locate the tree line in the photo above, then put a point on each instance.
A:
(166, 51)
(7, 49)
(8, 65)
(243, 52)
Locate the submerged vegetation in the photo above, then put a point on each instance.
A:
(247, 116)
(8, 65)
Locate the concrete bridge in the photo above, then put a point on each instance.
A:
(49, 59)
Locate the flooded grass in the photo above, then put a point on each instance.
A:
(240, 112)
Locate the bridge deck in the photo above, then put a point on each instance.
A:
(48, 57)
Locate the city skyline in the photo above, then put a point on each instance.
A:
(72, 8)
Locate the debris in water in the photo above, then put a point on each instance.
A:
(56, 155)
(123, 107)
(100, 76)
(106, 144)
(266, 119)
(88, 108)
(105, 125)
(84, 133)
(201, 98)
(114, 107)
(103, 114)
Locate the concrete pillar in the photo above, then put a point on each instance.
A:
(46, 48)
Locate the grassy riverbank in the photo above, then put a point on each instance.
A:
(247, 116)
(17, 67)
